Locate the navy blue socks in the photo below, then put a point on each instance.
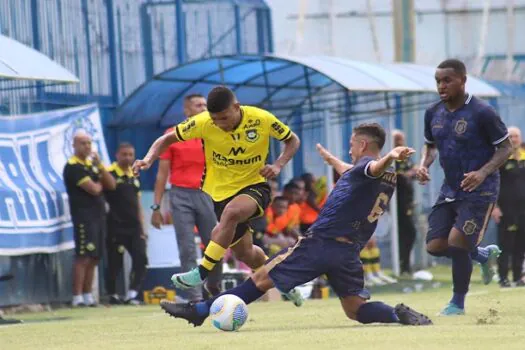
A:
(461, 272)
(376, 311)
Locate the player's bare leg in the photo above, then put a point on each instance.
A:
(87, 287)
(240, 209)
(358, 309)
(79, 273)
(250, 254)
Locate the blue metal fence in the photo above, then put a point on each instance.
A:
(115, 45)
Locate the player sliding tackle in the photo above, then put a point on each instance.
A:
(236, 142)
(333, 242)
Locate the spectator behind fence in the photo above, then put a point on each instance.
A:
(278, 236)
(85, 179)
(292, 193)
(125, 227)
(509, 213)
(184, 162)
(406, 172)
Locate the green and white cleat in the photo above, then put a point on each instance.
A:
(452, 310)
(188, 279)
(294, 296)
(487, 269)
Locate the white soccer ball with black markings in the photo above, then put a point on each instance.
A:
(228, 313)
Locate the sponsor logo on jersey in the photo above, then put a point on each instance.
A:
(223, 160)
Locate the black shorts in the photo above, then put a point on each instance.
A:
(89, 236)
(260, 193)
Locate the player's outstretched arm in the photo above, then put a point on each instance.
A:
(291, 145)
(159, 146)
(332, 160)
(378, 167)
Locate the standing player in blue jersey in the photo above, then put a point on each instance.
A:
(333, 242)
(472, 142)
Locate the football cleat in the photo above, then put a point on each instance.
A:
(408, 316)
(385, 278)
(504, 283)
(294, 296)
(452, 310)
(373, 280)
(188, 279)
(487, 269)
(115, 300)
(186, 311)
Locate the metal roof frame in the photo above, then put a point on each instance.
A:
(272, 78)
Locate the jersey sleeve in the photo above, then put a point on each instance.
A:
(429, 139)
(278, 129)
(76, 175)
(192, 128)
(362, 167)
(493, 126)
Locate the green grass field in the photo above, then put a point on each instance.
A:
(495, 320)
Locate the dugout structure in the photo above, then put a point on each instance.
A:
(320, 97)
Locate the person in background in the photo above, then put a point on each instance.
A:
(371, 258)
(125, 227)
(310, 207)
(278, 235)
(406, 173)
(274, 187)
(292, 193)
(183, 162)
(86, 178)
(509, 213)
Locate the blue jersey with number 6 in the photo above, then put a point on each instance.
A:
(355, 204)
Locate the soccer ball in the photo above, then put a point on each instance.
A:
(228, 313)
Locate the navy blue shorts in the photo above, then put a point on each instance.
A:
(312, 257)
(467, 216)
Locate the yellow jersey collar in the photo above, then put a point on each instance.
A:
(521, 155)
(121, 172)
(76, 160)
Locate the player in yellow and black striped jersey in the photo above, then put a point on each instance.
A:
(85, 179)
(236, 142)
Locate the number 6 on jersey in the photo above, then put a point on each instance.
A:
(379, 207)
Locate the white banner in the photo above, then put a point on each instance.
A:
(34, 209)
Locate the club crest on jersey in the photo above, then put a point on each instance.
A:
(252, 135)
(469, 227)
(461, 127)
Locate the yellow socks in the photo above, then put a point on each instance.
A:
(212, 255)
(375, 255)
(365, 259)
